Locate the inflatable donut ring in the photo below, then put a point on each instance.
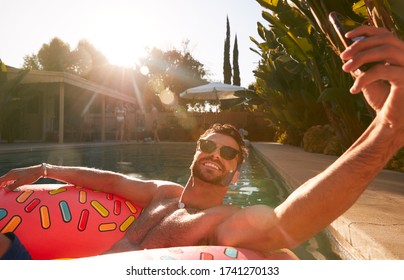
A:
(56, 221)
(198, 253)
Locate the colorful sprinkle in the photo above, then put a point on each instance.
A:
(117, 207)
(3, 213)
(206, 256)
(231, 252)
(32, 205)
(129, 220)
(131, 207)
(65, 210)
(45, 217)
(107, 227)
(100, 208)
(82, 197)
(83, 220)
(24, 196)
(12, 225)
(57, 191)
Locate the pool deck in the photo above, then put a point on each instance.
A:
(372, 229)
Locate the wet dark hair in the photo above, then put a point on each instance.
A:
(229, 130)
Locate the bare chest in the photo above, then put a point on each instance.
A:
(162, 224)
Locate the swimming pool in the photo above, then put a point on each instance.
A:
(171, 161)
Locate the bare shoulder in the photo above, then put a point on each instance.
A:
(142, 192)
(158, 185)
(162, 183)
(167, 188)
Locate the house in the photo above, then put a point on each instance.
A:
(58, 106)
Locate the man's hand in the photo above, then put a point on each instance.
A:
(382, 84)
(21, 176)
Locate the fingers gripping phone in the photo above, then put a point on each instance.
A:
(342, 25)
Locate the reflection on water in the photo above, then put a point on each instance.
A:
(171, 161)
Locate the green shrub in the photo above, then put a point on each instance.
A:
(321, 139)
(397, 162)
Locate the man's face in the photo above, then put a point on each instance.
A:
(215, 160)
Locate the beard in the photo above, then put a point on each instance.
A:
(221, 180)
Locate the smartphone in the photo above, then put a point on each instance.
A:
(342, 25)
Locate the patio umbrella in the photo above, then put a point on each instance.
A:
(213, 91)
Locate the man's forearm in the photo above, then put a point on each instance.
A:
(85, 177)
(325, 197)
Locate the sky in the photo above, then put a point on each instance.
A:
(124, 29)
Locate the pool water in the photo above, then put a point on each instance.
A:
(171, 161)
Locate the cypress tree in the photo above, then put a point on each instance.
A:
(226, 63)
(236, 69)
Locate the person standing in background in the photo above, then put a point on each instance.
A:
(120, 117)
(155, 124)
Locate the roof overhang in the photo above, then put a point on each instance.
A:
(51, 77)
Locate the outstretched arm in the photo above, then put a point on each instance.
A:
(138, 191)
(323, 198)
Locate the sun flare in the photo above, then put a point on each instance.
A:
(121, 38)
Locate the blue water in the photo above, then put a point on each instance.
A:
(171, 161)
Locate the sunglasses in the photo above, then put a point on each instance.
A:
(226, 152)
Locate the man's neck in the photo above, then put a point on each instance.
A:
(202, 195)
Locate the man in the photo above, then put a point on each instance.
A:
(195, 211)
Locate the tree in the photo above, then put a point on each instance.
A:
(226, 63)
(295, 36)
(55, 56)
(10, 102)
(86, 57)
(31, 62)
(174, 69)
(236, 68)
